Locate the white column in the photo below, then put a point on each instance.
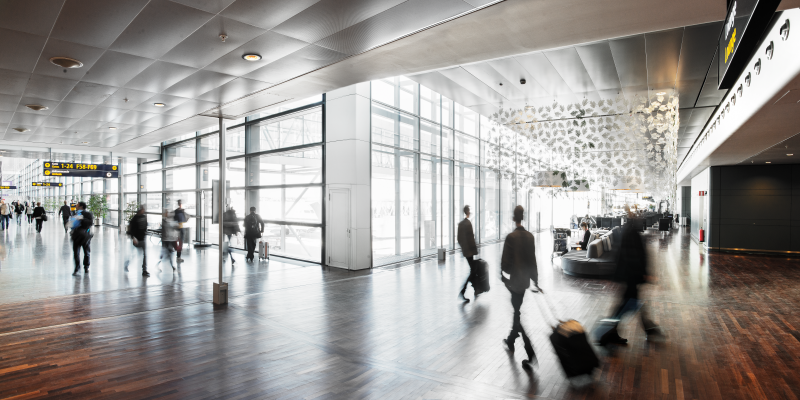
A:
(348, 155)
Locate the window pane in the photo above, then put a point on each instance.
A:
(97, 187)
(399, 92)
(234, 173)
(291, 204)
(179, 138)
(286, 107)
(430, 104)
(394, 189)
(507, 204)
(153, 202)
(131, 183)
(234, 142)
(180, 154)
(152, 182)
(445, 206)
(130, 166)
(447, 112)
(209, 148)
(112, 185)
(188, 200)
(208, 173)
(181, 178)
(429, 138)
(447, 142)
(287, 168)
(466, 120)
(466, 148)
(151, 166)
(490, 204)
(111, 218)
(394, 128)
(291, 130)
(429, 197)
(301, 242)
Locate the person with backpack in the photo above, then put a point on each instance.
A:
(253, 228)
(519, 262)
(230, 228)
(29, 211)
(81, 237)
(65, 212)
(5, 212)
(40, 215)
(19, 209)
(137, 230)
(466, 239)
(180, 217)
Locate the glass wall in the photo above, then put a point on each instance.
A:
(274, 162)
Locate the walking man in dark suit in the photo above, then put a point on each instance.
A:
(253, 228)
(466, 239)
(519, 262)
(65, 212)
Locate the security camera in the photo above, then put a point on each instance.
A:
(522, 81)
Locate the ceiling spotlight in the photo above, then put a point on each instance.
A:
(785, 30)
(21, 130)
(501, 83)
(661, 93)
(790, 154)
(757, 67)
(251, 57)
(85, 142)
(522, 81)
(769, 162)
(113, 128)
(66, 62)
(36, 107)
(159, 104)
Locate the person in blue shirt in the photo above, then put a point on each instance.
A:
(81, 225)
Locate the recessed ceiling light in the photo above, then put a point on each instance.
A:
(661, 93)
(252, 57)
(159, 104)
(113, 128)
(20, 130)
(790, 154)
(769, 162)
(85, 142)
(36, 107)
(66, 62)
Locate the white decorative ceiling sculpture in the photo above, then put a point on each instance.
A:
(602, 142)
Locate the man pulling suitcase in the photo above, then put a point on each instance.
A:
(253, 228)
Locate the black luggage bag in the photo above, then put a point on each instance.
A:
(572, 347)
(480, 281)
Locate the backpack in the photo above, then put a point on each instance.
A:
(251, 226)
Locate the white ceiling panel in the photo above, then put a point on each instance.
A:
(486, 73)
(95, 23)
(327, 17)
(191, 107)
(48, 87)
(19, 51)
(211, 6)
(484, 90)
(159, 76)
(58, 48)
(90, 93)
(198, 83)
(308, 59)
(126, 99)
(542, 71)
(116, 69)
(244, 106)
(9, 102)
(162, 120)
(159, 27)
(599, 64)
(570, 67)
(134, 117)
(513, 71)
(5, 116)
(59, 122)
(270, 46)
(235, 89)
(50, 104)
(630, 60)
(169, 102)
(204, 45)
(27, 120)
(663, 54)
(446, 87)
(31, 16)
(44, 131)
(104, 114)
(388, 25)
(86, 125)
(13, 82)
(265, 14)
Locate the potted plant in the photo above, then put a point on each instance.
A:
(98, 206)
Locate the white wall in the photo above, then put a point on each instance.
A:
(699, 204)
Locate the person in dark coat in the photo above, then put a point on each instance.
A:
(38, 212)
(466, 239)
(519, 262)
(81, 237)
(632, 270)
(19, 209)
(230, 228)
(137, 230)
(586, 235)
(253, 228)
(65, 212)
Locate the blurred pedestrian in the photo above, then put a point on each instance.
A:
(137, 230)
(29, 211)
(253, 228)
(5, 212)
(169, 235)
(65, 212)
(632, 270)
(81, 237)
(519, 262)
(466, 239)
(180, 218)
(230, 228)
(19, 209)
(39, 215)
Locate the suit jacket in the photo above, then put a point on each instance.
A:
(585, 242)
(631, 258)
(519, 260)
(466, 238)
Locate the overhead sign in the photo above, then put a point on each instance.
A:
(80, 169)
(7, 187)
(59, 184)
(745, 23)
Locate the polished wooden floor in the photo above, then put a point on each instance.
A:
(295, 331)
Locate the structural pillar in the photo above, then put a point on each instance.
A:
(348, 170)
(221, 288)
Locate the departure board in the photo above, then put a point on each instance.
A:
(46, 184)
(80, 169)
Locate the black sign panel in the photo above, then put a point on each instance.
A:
(7, 187)
(744, 25)
(59, 184)
(80, 169)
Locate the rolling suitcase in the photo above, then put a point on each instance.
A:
(481, 280)
(263, 250)
(572, 348)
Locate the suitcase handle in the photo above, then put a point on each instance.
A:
(550, 307)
